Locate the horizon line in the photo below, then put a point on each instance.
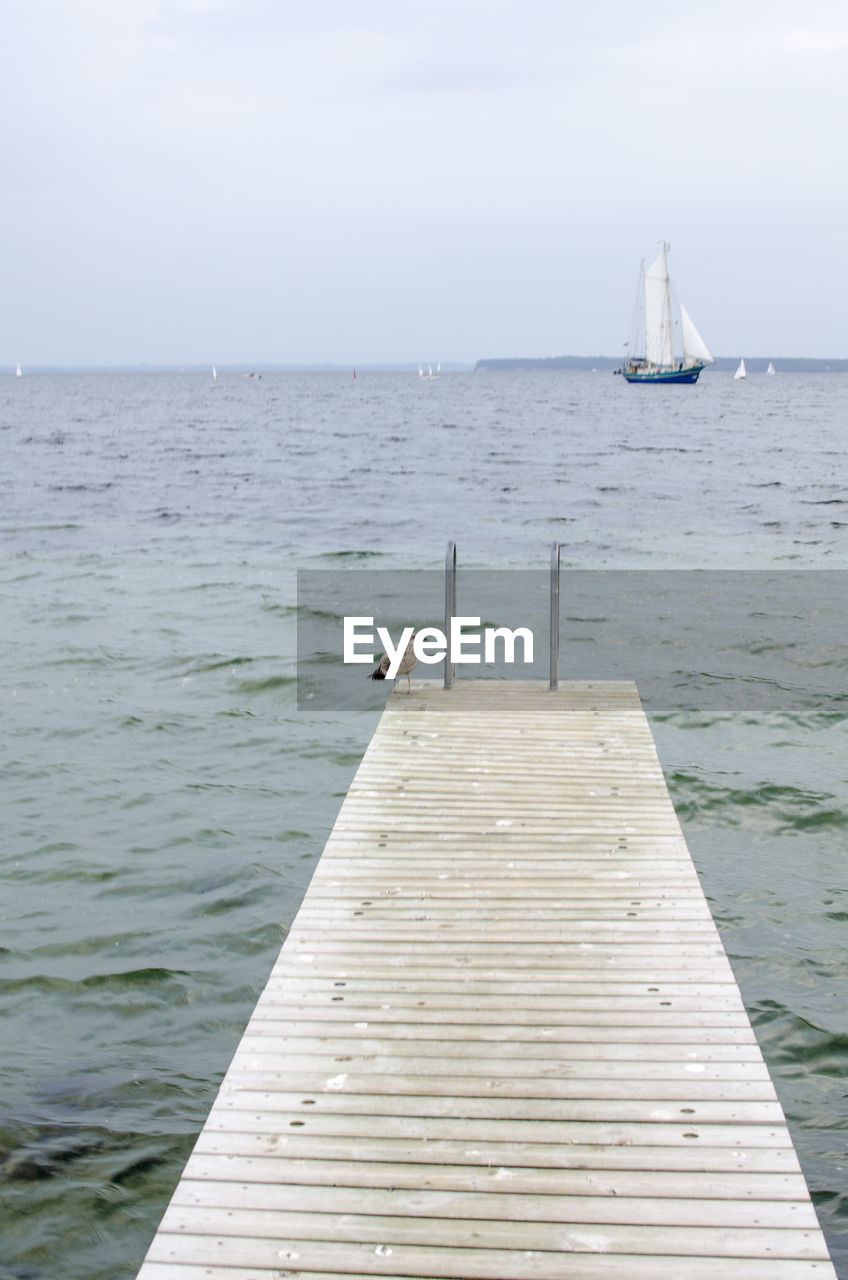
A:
(372, 366)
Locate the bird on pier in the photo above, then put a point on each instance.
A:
(407, 663)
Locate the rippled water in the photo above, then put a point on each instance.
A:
(164, 802)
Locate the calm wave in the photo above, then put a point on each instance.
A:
(165, 802)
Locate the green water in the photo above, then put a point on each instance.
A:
(164, 802)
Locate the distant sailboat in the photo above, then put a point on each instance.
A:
(214, 373)
(741, 372)
(430, 374)
(665, 360)
(770, 368)
(18, 371)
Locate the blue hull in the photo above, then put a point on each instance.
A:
(671, 375)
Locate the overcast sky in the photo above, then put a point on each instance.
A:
(372, 180)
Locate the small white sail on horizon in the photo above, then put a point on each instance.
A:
(770, 368)
(214, 373)
(741, 372)
(18, 371)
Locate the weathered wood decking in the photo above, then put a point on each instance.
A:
(502, 1038)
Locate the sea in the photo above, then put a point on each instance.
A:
(165, 796)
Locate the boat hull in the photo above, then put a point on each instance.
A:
(666, 375)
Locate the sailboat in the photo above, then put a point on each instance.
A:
(18, 370)
(214, 373)
(741, 372)
(770, 368)
(665, 360)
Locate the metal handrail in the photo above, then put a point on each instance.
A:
(554, 615)
(450, 613)
(450, 610)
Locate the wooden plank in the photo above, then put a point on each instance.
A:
(673, 1185)
(189, 1257)
(353, 909)
(321, 980)
(543, 1006)
(503, 1205)
(672, 1155)
(263, 1038)
(580, 1098)
(644, 1103)
(504, 1132)
(535, 953)
(276, 1018)
(444, 1031)
(502, 1039)
(717, 1241)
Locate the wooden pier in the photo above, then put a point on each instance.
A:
(502, 1039)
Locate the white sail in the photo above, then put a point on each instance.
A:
(770, 368)
(741, 372)
(659, 335)
(695, 350)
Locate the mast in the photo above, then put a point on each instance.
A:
(659, 339)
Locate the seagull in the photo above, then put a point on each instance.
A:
(407, 663)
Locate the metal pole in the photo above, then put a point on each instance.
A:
(450, 610)
(554, 615)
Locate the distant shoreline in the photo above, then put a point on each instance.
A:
(504, 364)
(603, 364)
